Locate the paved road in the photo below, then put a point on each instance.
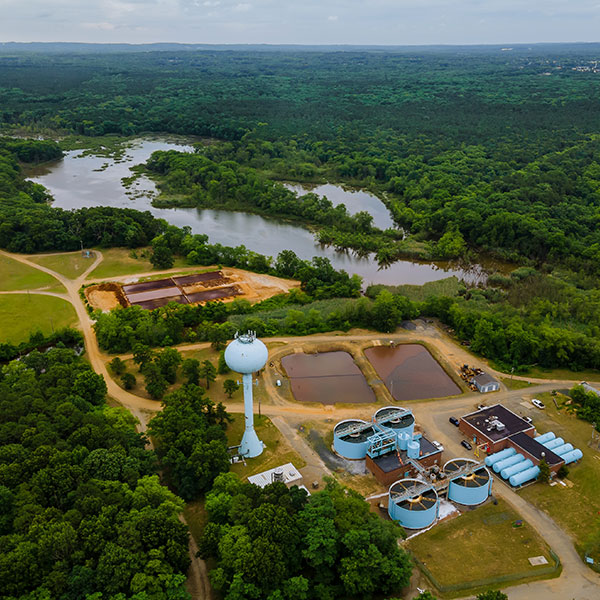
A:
(577, 582)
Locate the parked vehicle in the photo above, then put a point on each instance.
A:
(466, 445)
(537, 403)
(438, 445)
(454, 421)
(528, 419)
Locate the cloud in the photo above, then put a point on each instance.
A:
(104, 26)
(242, 7)
(332, 18)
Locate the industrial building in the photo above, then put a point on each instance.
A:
(388, 443)
(492, 426)
(484, 382)
(514, 451)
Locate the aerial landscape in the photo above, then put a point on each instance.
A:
(299, 301)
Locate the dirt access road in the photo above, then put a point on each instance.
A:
(577, 582)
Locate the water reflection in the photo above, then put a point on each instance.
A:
(86, 180)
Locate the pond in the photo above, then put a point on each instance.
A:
(83, 179)
(327, 377)
(355, 201)
(410, 372)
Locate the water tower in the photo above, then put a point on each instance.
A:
(246, 355)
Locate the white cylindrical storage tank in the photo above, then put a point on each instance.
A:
(520, 466)
(572, 456)
(524, 476)
(470, 489)
(545, 437)
(494, 458)
(555, 443)
(413, 511)
(413, 448)
(508, 462)
(350, 438)
(403, 439)
(401, 420)
(563, 449)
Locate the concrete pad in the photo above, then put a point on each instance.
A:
(536, 561)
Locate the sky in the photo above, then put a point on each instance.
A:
(388, 22)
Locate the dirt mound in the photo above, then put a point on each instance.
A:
(105, 296)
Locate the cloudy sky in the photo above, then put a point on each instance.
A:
(301, 21)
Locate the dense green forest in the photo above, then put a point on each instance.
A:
(273, 543)
(497, 148)
(82, 511)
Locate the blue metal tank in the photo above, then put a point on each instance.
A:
(555, 443)
(572, 456)
(545, 438)
(469, 488)
(508, 462)
(560, 450)
(520, 466)
(351, 438)
(403, 439)
(395, 418)
(413, 448)
(494, 458)
(413, 503)
(524, 476)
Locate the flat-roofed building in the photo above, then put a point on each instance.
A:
(493, 426)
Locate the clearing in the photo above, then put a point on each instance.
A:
(23, 314)
(69, 264)
(17, 276)
(481, 544)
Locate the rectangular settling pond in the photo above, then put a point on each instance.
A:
(327, 377)
(410, 372)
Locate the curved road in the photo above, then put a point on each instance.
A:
(577, 582)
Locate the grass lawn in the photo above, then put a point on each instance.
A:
(576, 376)
(278, 451)
(21, 314)
(121, 261)
(69, 264)
(576, 509)
(17, 276)
(514, 384)
(480, 544)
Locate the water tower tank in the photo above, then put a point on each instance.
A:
(471, 488)
(413, 503)
(246, 354)
(351, 438)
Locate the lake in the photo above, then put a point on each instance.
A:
(85, 180)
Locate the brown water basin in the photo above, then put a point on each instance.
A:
(327, 377)
(410, 372)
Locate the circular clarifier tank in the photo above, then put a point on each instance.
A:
(413, 503)
(395, 418)
(350, 438)
(470, 489)
(246, 354)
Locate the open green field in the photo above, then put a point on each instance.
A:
(17, 276)
(22, 314)
(480, 544)
(277, 452)
(575, 508)
(122, 261)
(514, 384)
(69, 264)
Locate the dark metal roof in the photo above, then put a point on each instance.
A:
(391, 461)
(534, 448)
(484, 379)
(481, 420)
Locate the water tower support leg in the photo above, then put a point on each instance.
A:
(251, 446)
